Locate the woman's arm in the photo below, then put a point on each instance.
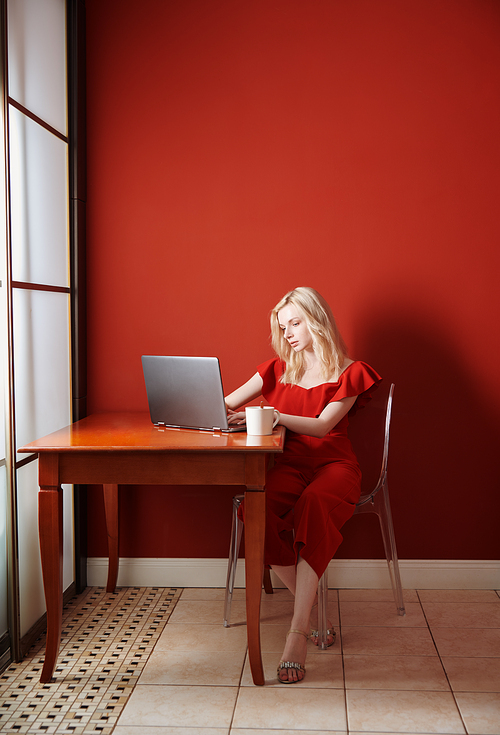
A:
(320, 426)
(247, 392)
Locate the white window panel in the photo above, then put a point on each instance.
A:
(37, 58)
(30, 567)
(3, 315)
(41, 363)
(68, 537)
(3, 368)
(4, 624)
(39, 203)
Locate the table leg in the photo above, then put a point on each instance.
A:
(255, 513)
(51, 550)
(268, 585)
(112, 526)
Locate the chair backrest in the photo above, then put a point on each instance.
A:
(369, 434)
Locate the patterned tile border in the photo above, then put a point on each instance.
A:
(106, 642)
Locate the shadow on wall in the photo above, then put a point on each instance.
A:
(443, 458)
(443, 465)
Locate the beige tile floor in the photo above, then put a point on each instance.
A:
(437, 670)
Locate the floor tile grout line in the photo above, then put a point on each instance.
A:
(238, 691)
(346, 707)
(442, 665)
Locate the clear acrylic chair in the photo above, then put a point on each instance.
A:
(369, 434)
(234, 548)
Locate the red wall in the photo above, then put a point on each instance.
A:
(239, 148)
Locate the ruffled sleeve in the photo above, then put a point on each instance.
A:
(270, 372)
(359, 379)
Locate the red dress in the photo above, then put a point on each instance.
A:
(314, 485)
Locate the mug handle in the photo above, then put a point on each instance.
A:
(277, 417)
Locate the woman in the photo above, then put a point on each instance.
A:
(314, 485)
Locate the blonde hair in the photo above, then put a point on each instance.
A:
(327, 340)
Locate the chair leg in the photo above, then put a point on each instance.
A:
(322, 610)
(383, 510)
(234, 547)
(268, 585)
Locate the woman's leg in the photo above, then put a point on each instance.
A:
(284, 485)
(305, 595)
(323, 507)
(320, 512)
(289, 579)
(287, 576)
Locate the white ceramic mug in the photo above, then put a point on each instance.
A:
(261, 420)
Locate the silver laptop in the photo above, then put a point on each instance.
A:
(186, 393)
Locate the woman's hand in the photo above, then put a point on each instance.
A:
(235, 418)
(246, 393)
(250, 390)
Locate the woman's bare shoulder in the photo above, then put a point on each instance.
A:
(347, 363)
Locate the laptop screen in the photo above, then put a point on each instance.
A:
(185, 392)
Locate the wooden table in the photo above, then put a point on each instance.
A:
(126, 449)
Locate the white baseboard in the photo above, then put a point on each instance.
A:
(342, 573)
